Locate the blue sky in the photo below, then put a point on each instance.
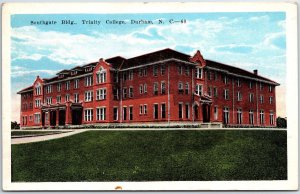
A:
(247, 40)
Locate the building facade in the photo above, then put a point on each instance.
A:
(162, 87)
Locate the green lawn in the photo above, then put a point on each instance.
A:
(22, 133)
(154, 156)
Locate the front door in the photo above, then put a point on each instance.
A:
(52, 118)
(77, 116)
(62, 117)
(196, 112)
(206, 113)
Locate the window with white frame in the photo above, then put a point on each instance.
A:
(209, 91)
(261, 117)
(58, 87)
(251, 97)
(141, 89)
(199, 73)
(271, 118)
(239, 116)
(124, 76)
(101, 113)
(37, 118)
(67, 97)
(145, 109)
(261, 99)
(238, 82)
(163, 87)
(140, 72)
(130, 76)
(270, 88)
(145, 88)
(226, 94)
(68, 85)
(88, 96)
(88, 81)
(179, 68)
(49, 100)
(187, 70)
(225, 79)
(48, 89)
(251, 117)
(88, 114)
(271, 99)
(130, 92)
(239, 96)
(155, 88)
(124, 93)
(37, 103)
(76, 98)
(215, 91)
(215, 76)
(38, 89)
(101, 76)
(145, 71)
(225, 115)
(58, 99)
(187, 88)
(116, 93)
(198, 89)
(141, 109)
(250, 84)
(261, 86)
(101, 94)
(76, 83)
(180, 88)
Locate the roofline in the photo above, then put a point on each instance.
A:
(24, 91)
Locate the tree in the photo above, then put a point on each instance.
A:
(281, 122)
(15, 125)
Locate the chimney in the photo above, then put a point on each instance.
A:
(101, 59)
(255, 71)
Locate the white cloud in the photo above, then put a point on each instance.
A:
(259, 18)
(22, 72)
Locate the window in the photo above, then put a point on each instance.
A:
(76, 98)
(155, 70)
(30, 118)
(261, 86)
(58, 87)
(101, 76)
(49, 100)
(141, 109)
(130, 92)
(225, 115)
(141, 89)
(88, 96)
(101, 114)
(198, 90)
(101, 94)
(209, 90)
(271, 99)
(130, 77)
(271, 118)
(270, 88)
(239, 96)
(187, 70)
(155, 111)
(48, 89)
(163, 111)
(187, 111)
(67, 97)
(261, 99)
(238, 83)
(88, 114)
(215, 92)
(261, 117)
(179, 68)
(180, 116)
(226, 94)
(73, 72)
(76, 83)
(216, 113)
(251, 97)
(124, 113)
(250, 84)
(251, 117)
(115, 113)
(38, 89)
(145, 109)
(130, 113)
(88, 81)
(115, 77)
(140, 72)
(37, 118)
(37, 103)
(163, 87)
(124, 93)
(145, 71)
(208, 75)
(155, 88)
(30, 105)
(225, 79)
(124, 76)
(187, 87)
(68, 85)
(199, 72)
(239, 116)
(163, 69)
(58, 99)
(180, 88)
(145, 88)
(116, 93)
(216, 76)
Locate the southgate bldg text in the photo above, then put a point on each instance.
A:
(159, 88)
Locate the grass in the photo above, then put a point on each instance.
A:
(154, 156)
(22, 133)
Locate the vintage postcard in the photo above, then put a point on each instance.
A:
(150, 96)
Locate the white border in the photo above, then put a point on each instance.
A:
(154, 7)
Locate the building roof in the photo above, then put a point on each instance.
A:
(30, 88)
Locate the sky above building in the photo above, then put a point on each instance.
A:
(249, 40)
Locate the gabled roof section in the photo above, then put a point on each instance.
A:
(28, 89)
(116, 62)
(237, 71)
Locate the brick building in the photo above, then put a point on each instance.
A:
(163, 87)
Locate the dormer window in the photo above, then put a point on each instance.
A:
(87, 69)
(74, 72)
(61, 75)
